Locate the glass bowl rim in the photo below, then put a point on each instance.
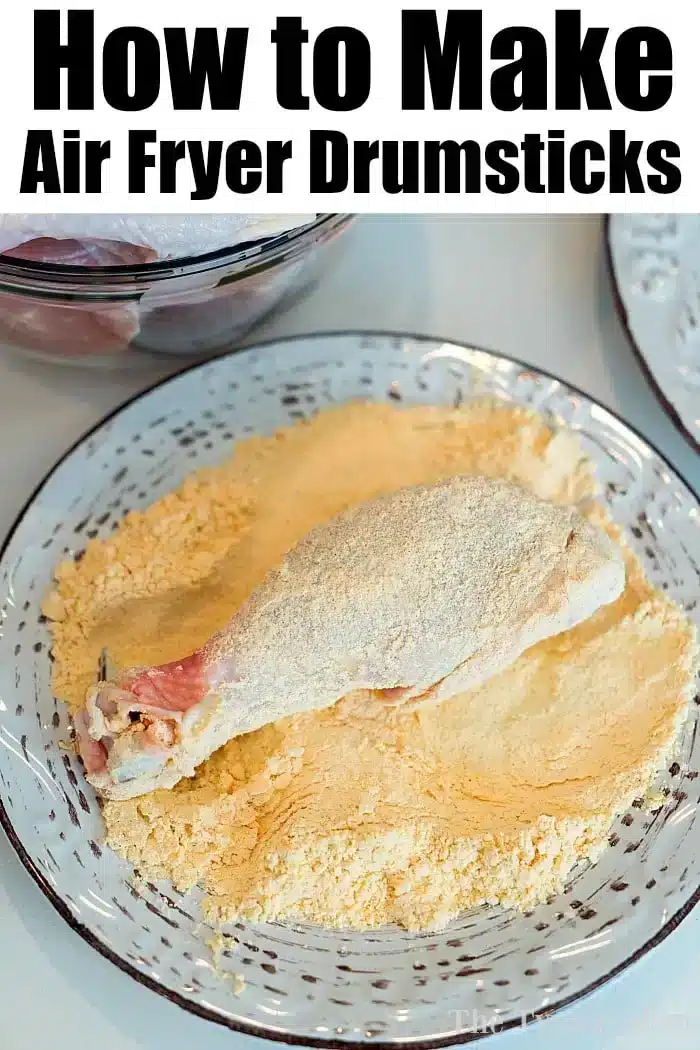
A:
(18, 276)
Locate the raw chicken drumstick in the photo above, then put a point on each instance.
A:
(415, 596)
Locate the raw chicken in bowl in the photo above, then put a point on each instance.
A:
(105, 301)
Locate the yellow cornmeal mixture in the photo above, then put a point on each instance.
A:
(343, 819)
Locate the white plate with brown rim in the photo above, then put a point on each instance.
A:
(491, 969)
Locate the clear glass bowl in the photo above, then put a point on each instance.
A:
(193, 307)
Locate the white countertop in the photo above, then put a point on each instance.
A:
(535, 288)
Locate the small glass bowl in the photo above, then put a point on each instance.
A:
(193, 307)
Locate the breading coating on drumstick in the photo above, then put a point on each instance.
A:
(415, 596)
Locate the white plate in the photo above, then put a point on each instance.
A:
(655, 261)
(307, 985)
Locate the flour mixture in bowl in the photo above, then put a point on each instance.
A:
(366, 813)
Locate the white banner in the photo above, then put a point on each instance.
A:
(316, 107)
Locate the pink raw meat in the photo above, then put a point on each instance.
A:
(82, 253)
(174, 687)
(71, 328)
